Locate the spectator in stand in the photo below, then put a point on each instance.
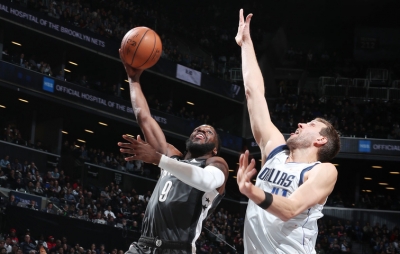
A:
(54, 174)
(16, 165)
(50, 208)
(8, 244)
(99, 219)
(69, 197)
(33, 168)
(109, 212)
(4, 162)
(18, 184)
(27, 246)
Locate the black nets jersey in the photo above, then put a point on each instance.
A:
(176, 210)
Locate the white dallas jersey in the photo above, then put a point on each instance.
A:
(265, 233)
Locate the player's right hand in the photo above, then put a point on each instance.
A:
(133, 74)
(243, 33)
(138, 149)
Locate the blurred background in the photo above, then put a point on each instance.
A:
(65, 104)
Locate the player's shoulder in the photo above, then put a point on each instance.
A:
(218, 162)
(215, 159)
(172, 151)
(325, 168)
(271, 149)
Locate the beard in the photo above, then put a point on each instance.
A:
(197, 150)
(299, 142)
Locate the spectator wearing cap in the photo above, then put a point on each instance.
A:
(13, 236)
(51, 242)
(56, 247)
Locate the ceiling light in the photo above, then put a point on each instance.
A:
(101, 123)
(383, 184)
(336, 165)
(234, 176)
(376, 166)
(80, 140)
(77, 146)
(231, 170)
(89, 131)
(64, 132)
(1, 106)
(122, 88)
(73, 63)
(394, 173)
(23, 100)
(367, 178)
(16, 43)
(368, 190)
(260, 160)
(126, 81)
(190, 103)
(129, 135)
(67, 70)
(390, 188)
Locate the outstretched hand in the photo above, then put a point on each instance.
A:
(243, 33)
(133, 73)
(139, 150)
(245, 173)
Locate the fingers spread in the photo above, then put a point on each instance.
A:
(131, 158)
(130, 139)
(130, 151)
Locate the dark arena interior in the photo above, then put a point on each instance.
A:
(65, 104)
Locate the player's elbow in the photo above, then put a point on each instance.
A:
(287, 216)
(249, 91)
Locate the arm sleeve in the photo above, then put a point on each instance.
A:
(204, 179)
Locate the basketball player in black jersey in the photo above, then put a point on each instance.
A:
(186, 190)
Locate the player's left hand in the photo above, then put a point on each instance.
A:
(139, 150)
(243, 33)
(245, 173)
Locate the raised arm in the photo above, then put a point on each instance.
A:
(264, 131)
(150, 128)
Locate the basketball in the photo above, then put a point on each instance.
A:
(141, 48)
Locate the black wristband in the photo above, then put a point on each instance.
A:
(267, 201)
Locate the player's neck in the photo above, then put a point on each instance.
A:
(305, 155)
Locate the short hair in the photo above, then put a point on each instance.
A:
(328, 151)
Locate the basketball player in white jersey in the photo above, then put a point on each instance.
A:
(295, 180)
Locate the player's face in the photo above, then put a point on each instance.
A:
(202, 140)
(203, 134)
(306, 134)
